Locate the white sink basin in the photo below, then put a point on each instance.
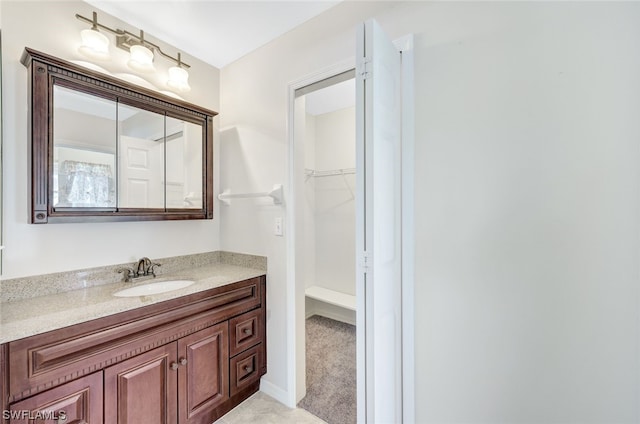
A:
(154, 288)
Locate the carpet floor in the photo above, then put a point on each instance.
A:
(331, 370)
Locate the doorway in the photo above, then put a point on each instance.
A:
(325, 143)
(384, 269)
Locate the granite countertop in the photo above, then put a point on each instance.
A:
(30, 316)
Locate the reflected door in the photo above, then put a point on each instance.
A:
(141, 151)
(141, 165)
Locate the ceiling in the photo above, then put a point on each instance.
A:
(217, 32)
(332, 98)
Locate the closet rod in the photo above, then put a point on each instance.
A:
(329, 173)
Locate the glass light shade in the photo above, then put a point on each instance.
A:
(94, 44)
(141, 59)
(178, 79)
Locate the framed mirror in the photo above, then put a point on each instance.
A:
(105, 150)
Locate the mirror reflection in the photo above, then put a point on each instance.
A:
(84, 150)
(184, 164)
(159, 158)
(140, 158)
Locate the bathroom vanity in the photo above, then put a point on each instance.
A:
(185, 357)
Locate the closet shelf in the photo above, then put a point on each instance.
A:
(343, 172)
(332, 297)
(329, 173)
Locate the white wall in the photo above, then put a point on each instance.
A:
(1, 160)
(308, 219)
(527, 200)
(254, 145)
(51, 27)
(334, 217)
(1, 142)
(527, 210)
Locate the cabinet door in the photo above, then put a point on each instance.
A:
(204, 376)
(79, 402)
(142, 390)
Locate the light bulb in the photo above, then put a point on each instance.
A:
(94, 44)
(178, 79)
(141, 59)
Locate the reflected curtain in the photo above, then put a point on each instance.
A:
(84, 184)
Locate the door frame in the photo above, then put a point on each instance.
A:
(406, 46)
(296, 387)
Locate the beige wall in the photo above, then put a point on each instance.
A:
(526, 200)
(51, 27)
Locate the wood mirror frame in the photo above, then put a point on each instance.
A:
(45, 72)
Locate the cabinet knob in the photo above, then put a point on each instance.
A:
(183, 361)
(247, 331)
(247, 368)
(174, 366)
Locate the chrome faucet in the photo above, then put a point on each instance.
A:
(144, 267)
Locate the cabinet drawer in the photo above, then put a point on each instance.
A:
(79, 401)
(246, 368)
(245, 331)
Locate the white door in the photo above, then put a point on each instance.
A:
(378, 226)
(141, 168)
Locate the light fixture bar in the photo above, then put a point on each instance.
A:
(126, 39)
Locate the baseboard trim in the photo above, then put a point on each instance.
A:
(275, 392)
(315, 307)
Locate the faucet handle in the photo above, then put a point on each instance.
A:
(151, 268)
(128, 273)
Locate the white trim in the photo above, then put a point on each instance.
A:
(274, 391)
(408, 230)
(361, 254)
(293, 292)
(404, 43)
(336, 313)
(332, 297)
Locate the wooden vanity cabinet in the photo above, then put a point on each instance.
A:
(187, 360)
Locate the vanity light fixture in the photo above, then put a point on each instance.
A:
(141, 59)
(179, 77)
(94, 44)
(142, 52)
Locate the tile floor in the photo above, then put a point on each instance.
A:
(263, 409)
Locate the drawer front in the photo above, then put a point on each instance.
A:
(246, 368)
(245, 331)
(79, 401)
